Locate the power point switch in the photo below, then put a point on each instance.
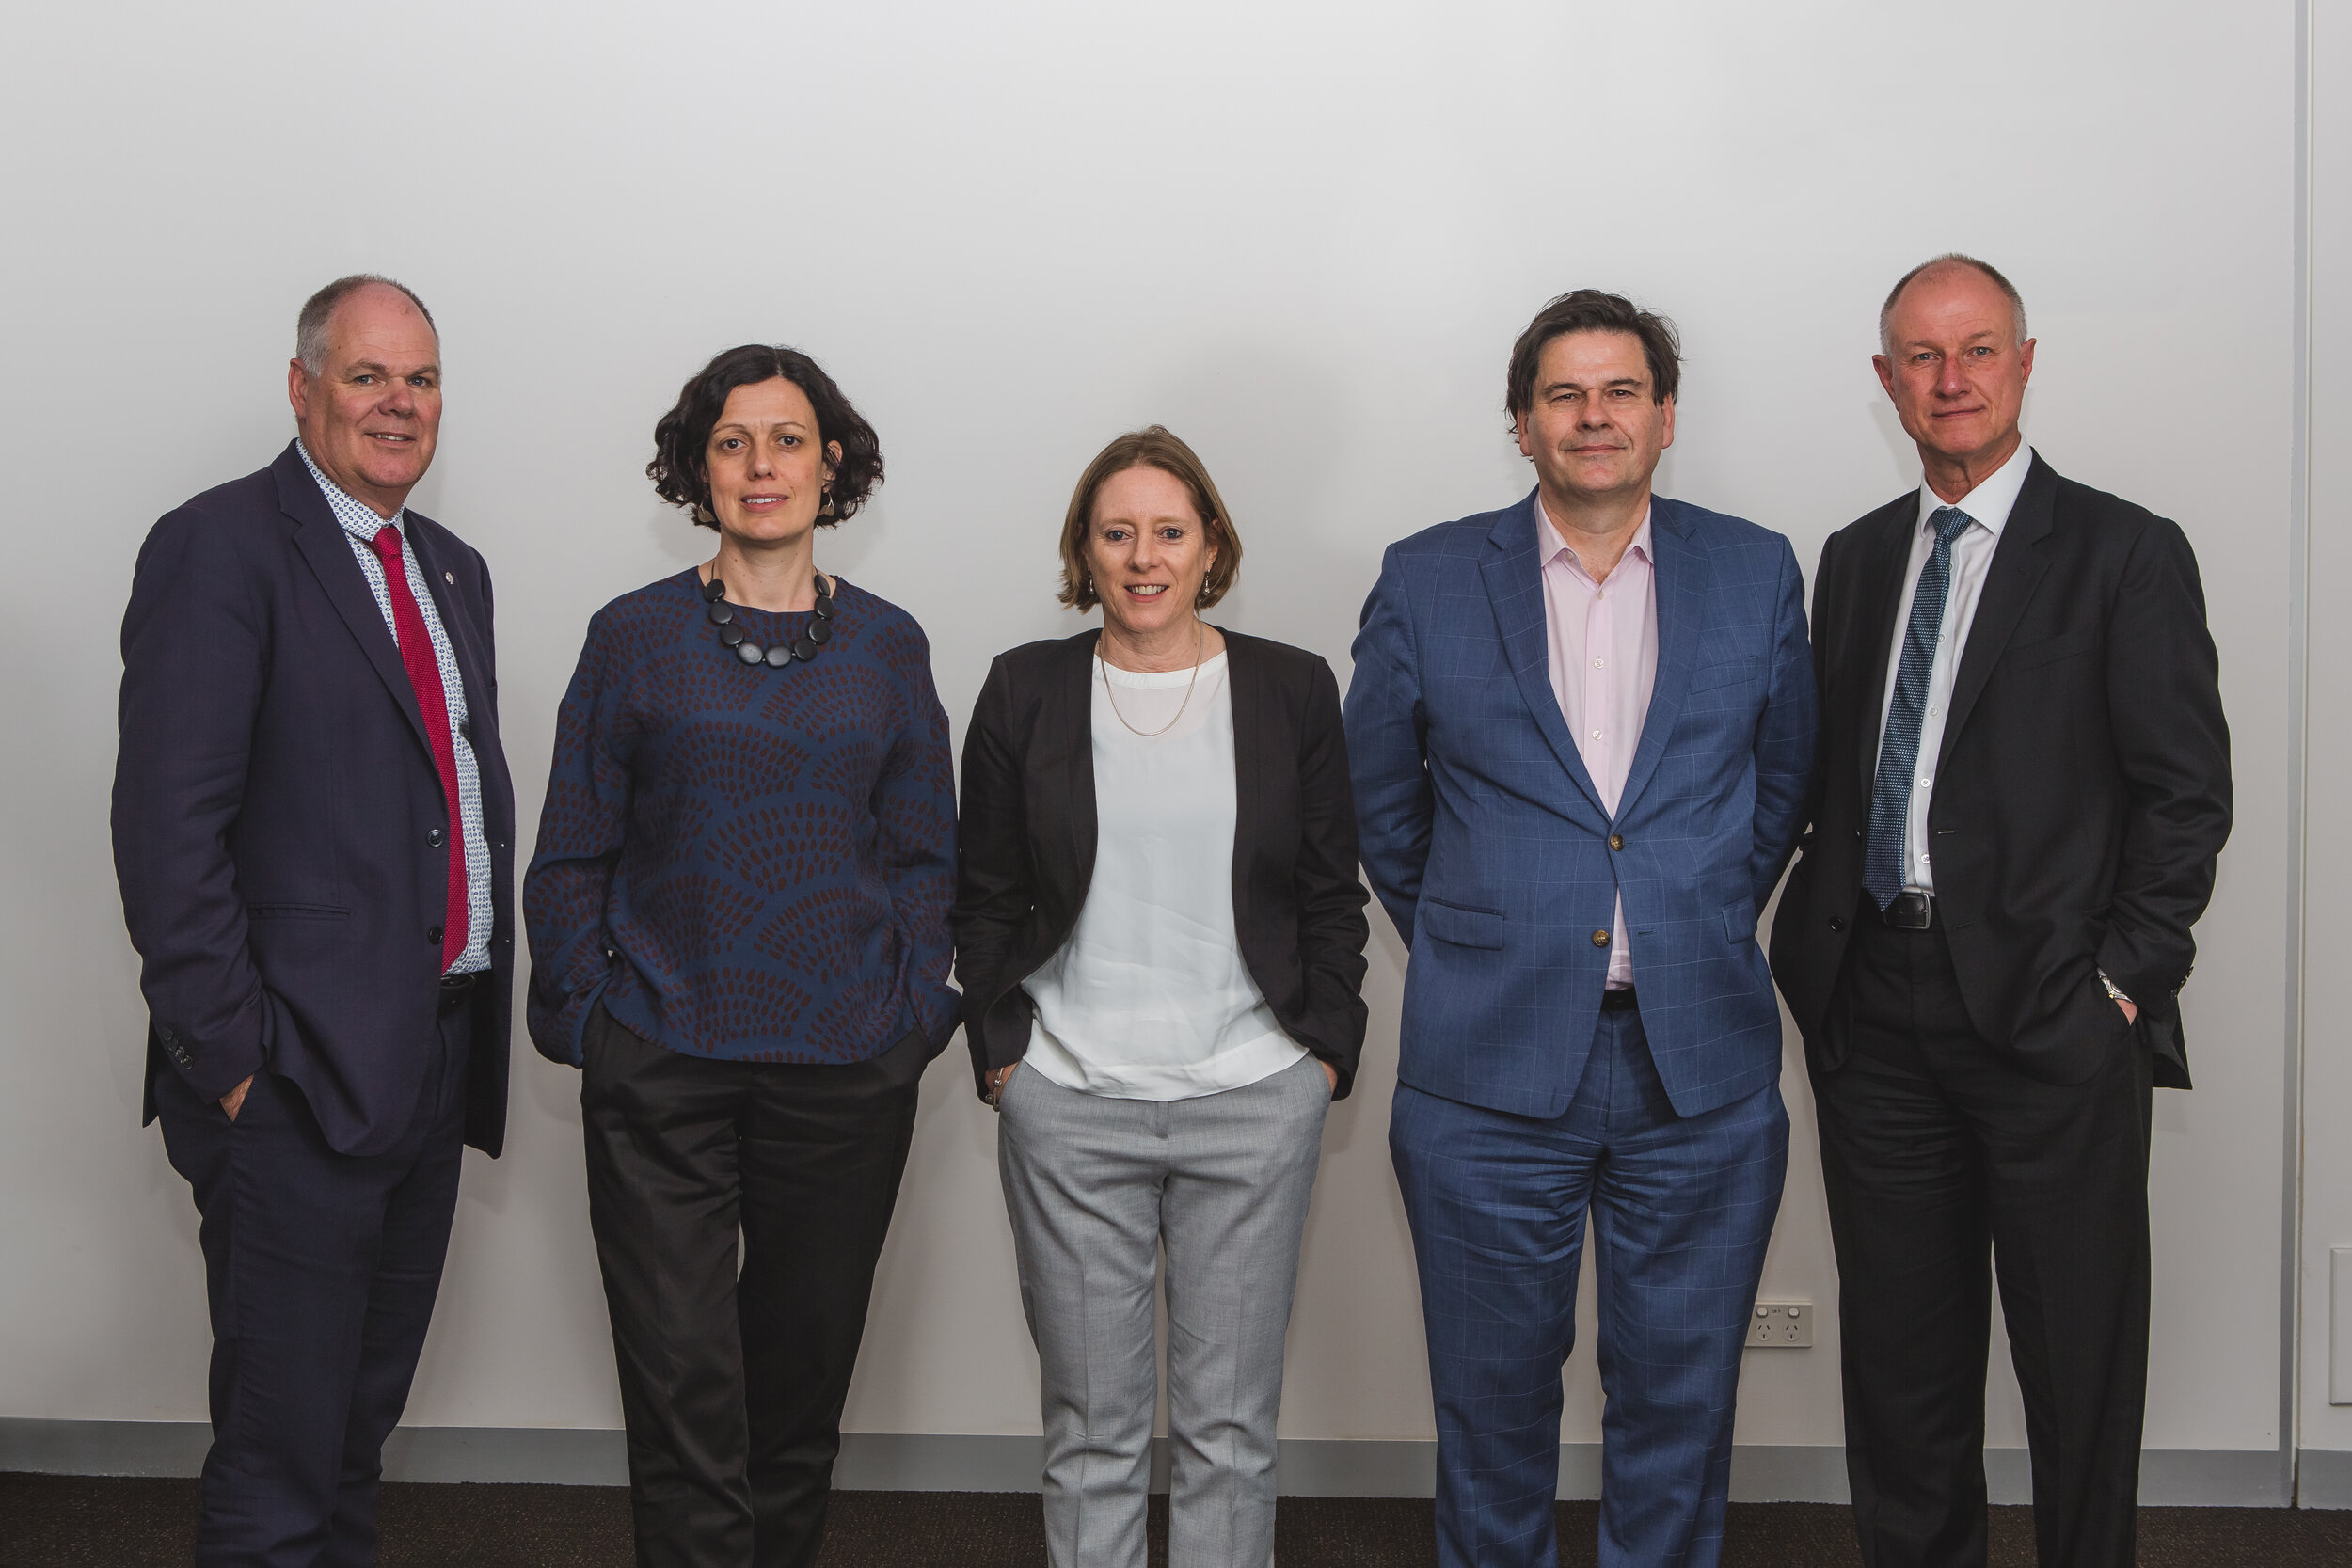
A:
(1781, 1325)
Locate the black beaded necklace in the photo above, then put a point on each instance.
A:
(803, 647)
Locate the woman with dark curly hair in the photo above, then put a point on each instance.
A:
(738, 932)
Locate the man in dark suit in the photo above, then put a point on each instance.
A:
(1582, 733)
(2024, 783)
(313, 829)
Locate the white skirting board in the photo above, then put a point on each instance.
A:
(894, 1462)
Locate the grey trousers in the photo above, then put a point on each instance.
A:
(1095, 1186)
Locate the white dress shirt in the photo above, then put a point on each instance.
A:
(1988, 507)
(1604, 664)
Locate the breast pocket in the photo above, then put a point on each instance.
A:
(1730, 672)
(2047, 651)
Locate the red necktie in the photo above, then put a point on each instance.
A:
(424, 676)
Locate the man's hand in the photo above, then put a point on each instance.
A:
(235, 1097)
(2131, 1010)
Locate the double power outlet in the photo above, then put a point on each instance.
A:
(1781, 1325)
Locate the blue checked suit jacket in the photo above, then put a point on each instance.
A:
(1486, 839)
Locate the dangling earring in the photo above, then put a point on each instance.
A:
(703, 516)
(826, 509)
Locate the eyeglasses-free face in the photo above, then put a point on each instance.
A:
(1149, 551)
(1954, 368)
(765, 470)
(370, 415)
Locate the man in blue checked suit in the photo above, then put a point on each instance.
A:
(1581, 730)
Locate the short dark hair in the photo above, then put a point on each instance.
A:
(1950, 258)
(681, 436)
(318, 312)
(1592, 310)
(1153, 447)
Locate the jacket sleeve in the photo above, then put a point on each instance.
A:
(581, 827)
(914, 844)
(195, 645)
(1387, 745)
(2172, 746)
(995, 889)
(1331, 926)
(1786, 736)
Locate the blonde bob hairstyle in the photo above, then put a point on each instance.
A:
(1154, 447)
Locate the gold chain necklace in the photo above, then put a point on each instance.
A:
(1199, 640)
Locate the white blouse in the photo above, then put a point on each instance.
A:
(1150, 998)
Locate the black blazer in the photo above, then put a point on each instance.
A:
(1027, 836)
(278, 814)
(2081, 796)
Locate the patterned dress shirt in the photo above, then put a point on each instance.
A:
(359, 523)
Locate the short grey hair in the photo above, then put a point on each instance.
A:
(1950, 258)
(319, 310)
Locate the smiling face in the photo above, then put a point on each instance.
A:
(766, 472)
(1954, 367)
(370, 416)
(1593, 429)
(1148, 550)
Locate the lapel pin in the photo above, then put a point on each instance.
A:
(449, 578)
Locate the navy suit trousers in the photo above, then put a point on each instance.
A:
(321, 1270)
(1681, 1210)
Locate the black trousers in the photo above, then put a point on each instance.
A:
(733, 1375)
(320, 1269)
(1937, 1149)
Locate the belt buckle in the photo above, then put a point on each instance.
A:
(1911, 912)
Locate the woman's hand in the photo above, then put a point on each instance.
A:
(996, 1080)
(1331, 1073)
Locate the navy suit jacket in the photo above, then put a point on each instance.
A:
(1486, 839)
(275, 807)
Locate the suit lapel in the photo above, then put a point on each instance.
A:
(327, 548)
(1514, 577)
(2018, 562)
(1679, 578)
(1242, 678)
(1073, 695)
(1877, 594)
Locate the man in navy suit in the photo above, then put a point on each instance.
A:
(1581, 730)
(313, 830)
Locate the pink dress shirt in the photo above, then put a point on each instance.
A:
(1604, 663)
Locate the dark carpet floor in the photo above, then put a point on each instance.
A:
(83, 1522)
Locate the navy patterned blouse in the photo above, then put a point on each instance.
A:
(740, 861)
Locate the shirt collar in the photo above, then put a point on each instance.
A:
(1994, 498)
(356, 517)
(1555, 545)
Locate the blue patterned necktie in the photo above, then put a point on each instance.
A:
(1898, 747)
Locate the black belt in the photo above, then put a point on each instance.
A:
(1910, 912)
(1624, 1001)
(458, 989)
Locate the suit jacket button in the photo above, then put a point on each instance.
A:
(433, 836)
(1837, 922)
(1617, 841)
(1600, 939)
(432, 935)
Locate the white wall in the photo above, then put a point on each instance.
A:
(2327, 1193)
(1303, 236)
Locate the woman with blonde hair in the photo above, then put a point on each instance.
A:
(1160, 937)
